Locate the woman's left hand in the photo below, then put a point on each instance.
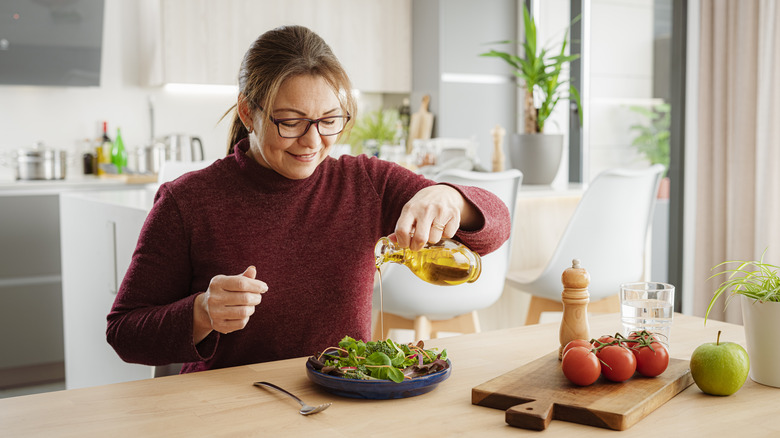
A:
(432, 213)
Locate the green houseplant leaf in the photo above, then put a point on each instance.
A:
(380, 125)
(539, 73)
(653, 136)
(753, 279)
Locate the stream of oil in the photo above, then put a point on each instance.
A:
(381, 308)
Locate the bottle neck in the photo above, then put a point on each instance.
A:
(385, 252)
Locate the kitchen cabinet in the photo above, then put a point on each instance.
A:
(31, 312)
(99, 233)
(31, 280)
(204, 41)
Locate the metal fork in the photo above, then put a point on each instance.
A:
(305, 409)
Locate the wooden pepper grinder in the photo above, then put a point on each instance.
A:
(498, 148)
(575, 298)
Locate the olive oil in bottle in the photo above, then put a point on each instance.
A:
(445, 263)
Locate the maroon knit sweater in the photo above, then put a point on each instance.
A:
(311, 240)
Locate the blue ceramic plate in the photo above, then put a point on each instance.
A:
(377, 389)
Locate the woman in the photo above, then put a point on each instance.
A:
(268, 253)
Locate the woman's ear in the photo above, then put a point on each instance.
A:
(244, 113)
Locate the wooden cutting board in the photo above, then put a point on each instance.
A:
(538, 392)
(421, 124)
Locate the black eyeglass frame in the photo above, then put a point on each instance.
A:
(311, 122)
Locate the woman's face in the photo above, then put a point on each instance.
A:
(296, 158)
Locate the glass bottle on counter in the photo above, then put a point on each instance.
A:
(118, 153)
(104, 151)
(445, 263)
(88, 158)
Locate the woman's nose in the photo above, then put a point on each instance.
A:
(311, 138)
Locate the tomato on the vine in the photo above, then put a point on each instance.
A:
(643, 336)
(576, 343)
(581, 366)
(619, 363)
(606, 339)
(651, 360)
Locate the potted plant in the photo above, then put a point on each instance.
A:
(758, 285)
(538, 70)
(652, 140)
(373, 130)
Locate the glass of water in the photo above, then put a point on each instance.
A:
(647, 306)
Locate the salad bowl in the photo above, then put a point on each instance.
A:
(378, 389)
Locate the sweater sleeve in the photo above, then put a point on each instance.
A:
(496, 227)
(152, 316)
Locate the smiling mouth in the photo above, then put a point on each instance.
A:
(304, 157)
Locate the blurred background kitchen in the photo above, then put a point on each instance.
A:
(163, 71)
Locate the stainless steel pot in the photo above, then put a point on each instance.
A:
(40, 163)
(150, 158)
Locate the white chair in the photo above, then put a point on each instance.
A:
(608, 233)
(170, 170)
(410, 303)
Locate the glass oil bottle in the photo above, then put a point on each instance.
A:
(445, 263)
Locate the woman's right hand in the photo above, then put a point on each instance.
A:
(227, 304)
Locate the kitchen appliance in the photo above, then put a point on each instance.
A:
(39, 162)
(149, 158)
(51, 43)
(183, 147)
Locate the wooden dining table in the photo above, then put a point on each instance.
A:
(224, 402)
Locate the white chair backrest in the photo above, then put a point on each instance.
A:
(608, 231)
(503, 184)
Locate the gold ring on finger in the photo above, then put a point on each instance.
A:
(438, 226)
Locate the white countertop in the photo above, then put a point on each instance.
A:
(54, 187)
(136, 199)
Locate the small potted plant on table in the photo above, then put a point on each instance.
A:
(758, 285)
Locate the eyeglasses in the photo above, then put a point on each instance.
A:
(298, 127)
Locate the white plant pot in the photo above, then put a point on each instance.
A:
(762, 324)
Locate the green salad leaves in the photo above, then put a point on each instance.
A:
(382, 360)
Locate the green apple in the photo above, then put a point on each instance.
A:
(719, 368)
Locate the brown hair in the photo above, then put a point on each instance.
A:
(278, 55)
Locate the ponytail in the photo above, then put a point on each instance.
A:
(238, 131)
